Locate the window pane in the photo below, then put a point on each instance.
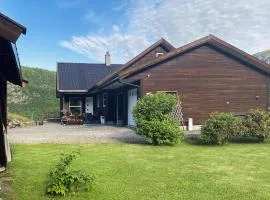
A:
(105, 97)
(75, 102)
(75, 110)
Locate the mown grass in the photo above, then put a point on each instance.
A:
(130, 171)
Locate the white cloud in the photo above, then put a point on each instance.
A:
(243, 23)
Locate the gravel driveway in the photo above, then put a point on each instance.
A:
(56, 133)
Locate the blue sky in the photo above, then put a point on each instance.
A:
(83, 30)
(51, 21)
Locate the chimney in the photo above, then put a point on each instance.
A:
(107, 59)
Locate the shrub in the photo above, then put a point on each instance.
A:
(160, 132)
(62, 179)
(256, 123)
(152, 119)
(219, 128)
(12, 117)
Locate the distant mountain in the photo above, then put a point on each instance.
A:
(37, 98)
(264, 56)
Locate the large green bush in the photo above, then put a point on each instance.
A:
(256, 123)
(152, 119)
(218, 128)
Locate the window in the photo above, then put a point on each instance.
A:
(105, 99)
(98, 100)
(175, 93)
(158, 54)
(75, 106)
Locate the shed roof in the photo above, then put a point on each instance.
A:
(79, 77)
(10, 29)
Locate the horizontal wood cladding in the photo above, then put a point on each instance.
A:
(208, 81)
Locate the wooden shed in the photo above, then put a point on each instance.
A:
(9, 71)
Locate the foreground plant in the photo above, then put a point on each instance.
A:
(63, 179)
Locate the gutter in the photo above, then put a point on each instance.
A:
(112, 81)
(96, 86)
(134, 85)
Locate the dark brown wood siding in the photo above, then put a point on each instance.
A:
(149, 56)
(208, 81)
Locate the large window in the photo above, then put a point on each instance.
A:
(105, 99)
(75, 106)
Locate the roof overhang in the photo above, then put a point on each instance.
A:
(72, 91)
(9, 29)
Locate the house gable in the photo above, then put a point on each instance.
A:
(207, 80)
(209, 40)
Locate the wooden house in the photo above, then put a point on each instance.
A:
(208, 74)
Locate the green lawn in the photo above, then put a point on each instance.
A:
(128, 171)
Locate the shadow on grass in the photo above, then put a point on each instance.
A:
(243, 139)
(195, 140)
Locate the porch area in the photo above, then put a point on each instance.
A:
(111, 106)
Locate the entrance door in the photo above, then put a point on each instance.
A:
(89, 105)
(132, 100)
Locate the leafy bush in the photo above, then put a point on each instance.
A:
(152, 119)
(160, 132)
(62, 179)
(154, 106)
(256, 123)
(219, 128)
(12, 117)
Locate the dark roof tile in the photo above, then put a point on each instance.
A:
(81, 76)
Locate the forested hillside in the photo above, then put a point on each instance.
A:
(264, 56)
(37, 98)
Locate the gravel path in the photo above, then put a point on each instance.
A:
(56, 133)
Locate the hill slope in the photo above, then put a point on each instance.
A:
(38, 98)
(264, 56)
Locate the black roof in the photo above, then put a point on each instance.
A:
(81, 76)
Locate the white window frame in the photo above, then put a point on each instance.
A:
(80, 106)
(103, 103)
(159, 54)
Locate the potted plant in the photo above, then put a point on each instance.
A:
(64, 119)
